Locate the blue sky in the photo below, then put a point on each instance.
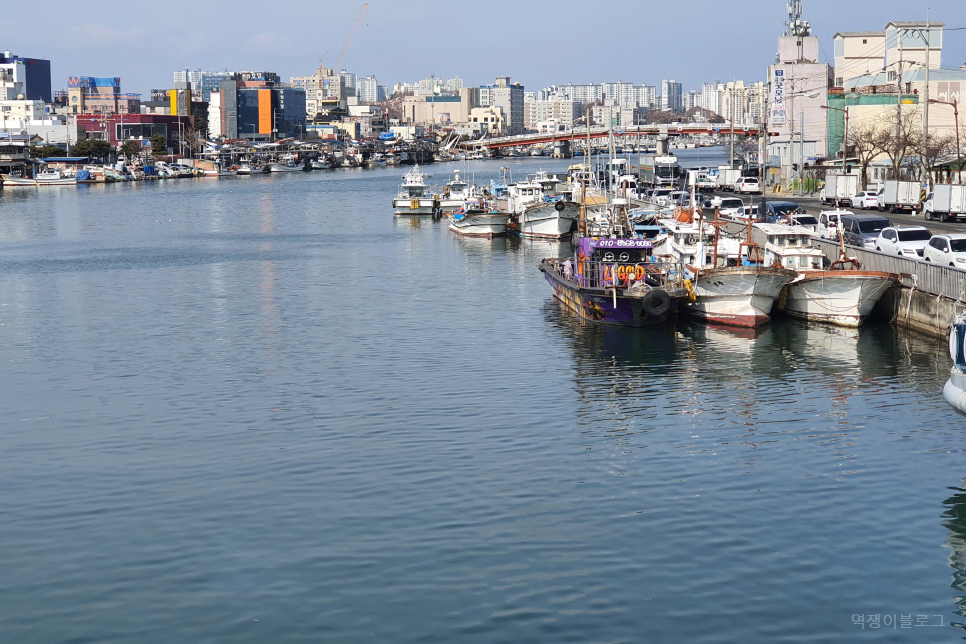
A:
(536, 42)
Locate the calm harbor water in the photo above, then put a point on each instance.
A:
(264, 410)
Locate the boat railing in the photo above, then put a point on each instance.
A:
(945, 281)
(601, 275)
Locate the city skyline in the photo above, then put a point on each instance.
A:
(395, 41)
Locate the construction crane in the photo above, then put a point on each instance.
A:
(355, 25)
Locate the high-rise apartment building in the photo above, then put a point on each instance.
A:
(671, 96)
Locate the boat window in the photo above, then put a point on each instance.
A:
(803, 261)
(790, 262)
(771, 239)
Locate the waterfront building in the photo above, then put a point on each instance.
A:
(27, 76)
(509, 98)
(487, 120)
(95, 95)
(117, 128)
(671, 96)
(557, 108)
(257, 110)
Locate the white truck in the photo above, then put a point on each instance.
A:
(946, 203)
(727, 178)
(899, 195)
(839, 188)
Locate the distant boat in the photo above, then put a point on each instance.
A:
(290, 166)
(49, 177)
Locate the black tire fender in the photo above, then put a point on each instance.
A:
(657, 303)
(559, 206)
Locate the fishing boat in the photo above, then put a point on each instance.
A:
(54, 177)
(728, 290)
(455, 194)
(540, 210)
(615, 281)
(48, 177)
(285, 166)
(843, 294)
(954, 390)
(414, 197)
(474, 219)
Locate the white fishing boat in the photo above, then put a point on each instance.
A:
(843, 295)
(540, 209)
(49, 177)
(455, 194)
(414, 197)
(377, 160)
(727, 290)
(54, 177)
(477, 221)
(287, 166)
(249, 169)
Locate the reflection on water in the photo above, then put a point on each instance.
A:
(955, 515)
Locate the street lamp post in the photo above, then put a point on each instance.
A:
(959, 153)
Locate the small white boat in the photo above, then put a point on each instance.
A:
(477, 221)
(291, 166)
(49, 177)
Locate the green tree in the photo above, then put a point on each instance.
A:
(130, 148)
(44, 151)
(93, 148)
(159, 145)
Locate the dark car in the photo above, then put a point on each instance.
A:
(775, 210)
(863, 230)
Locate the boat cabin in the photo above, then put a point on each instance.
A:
(787, 246)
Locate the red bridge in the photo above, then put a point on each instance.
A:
(580, 134)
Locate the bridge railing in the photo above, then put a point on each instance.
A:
(947, 281)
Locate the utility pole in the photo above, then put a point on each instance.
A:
(925, 117)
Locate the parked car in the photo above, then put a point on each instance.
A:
(776, 210)
(644, 194)
(866, 200)
(829, 223)
(747, 185)
(728, 206)
(746, 212)
(679, 198)
(863, 230)
(907, 241)
(946, 250)
(659, 196)
(802, 219)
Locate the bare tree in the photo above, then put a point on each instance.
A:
(868, 140)
(902, 141)
(935, 148)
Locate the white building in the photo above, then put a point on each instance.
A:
(671, 96)
(558, 108)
